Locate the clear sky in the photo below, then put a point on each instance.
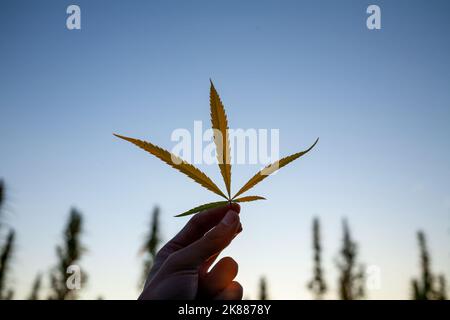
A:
(378, 100)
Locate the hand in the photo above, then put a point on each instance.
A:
(180, 270)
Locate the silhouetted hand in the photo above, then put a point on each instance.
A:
(181, 267)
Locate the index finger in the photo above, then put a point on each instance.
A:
(196, 228)
(201, 223)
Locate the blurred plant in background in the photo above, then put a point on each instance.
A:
(36, 288)
(263, 290)
(317, 284)
(150, 246)
(6, 251)
(351, 281)
(69, 254)
(426, 287)
(5, 261)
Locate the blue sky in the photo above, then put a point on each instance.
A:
(378, 100)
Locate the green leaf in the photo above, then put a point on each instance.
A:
(203, 207)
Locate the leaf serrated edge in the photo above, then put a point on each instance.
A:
(219, 124)
(268, 170)
(177, 163)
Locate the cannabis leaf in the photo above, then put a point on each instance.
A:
(221, 139)
(264, 173)
(177, 163)
(220, 127)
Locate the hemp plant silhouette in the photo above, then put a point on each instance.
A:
(351, 278)
(69, 253)
(36, 288)
(6, 252)
(317, 284)
(263, 290)
(221, 139)
(150, 246)
(425, 286)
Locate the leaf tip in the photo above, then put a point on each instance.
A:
(313, 145)
(124, 138)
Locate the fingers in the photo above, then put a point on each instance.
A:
(199, 224)
(196, 228)
(210, 244)
(234, 291)
(202, 222)
(219, 278)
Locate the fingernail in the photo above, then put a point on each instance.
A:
(230, 218)
(235, 207)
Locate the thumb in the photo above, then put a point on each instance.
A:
(211, 243)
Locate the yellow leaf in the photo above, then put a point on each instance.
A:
(249, 198)
(177, 163)
(221, 140)
(261, 175)
(203, 207)
(220, 127)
